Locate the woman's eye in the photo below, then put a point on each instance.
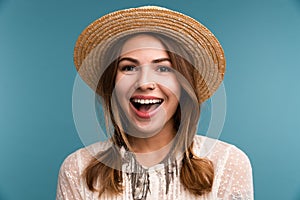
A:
(164, 69)
(128, 68)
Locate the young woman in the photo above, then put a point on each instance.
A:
(152, 68)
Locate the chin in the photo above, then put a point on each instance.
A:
(144, 129)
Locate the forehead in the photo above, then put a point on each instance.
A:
(142, 42)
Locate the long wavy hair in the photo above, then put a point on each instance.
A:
(104, 174)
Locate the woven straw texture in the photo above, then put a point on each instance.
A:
(202, 45)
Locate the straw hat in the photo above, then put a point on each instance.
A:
(199, 42)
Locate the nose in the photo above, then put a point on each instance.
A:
(147, 86)
(145, 79)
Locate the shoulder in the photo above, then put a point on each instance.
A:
(70, 180)
(233, 171)
(78, 160)
(219, 151)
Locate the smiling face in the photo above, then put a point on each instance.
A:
(146, 87)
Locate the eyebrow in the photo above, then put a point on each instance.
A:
(159, 60)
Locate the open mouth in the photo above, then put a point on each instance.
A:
(146, 105)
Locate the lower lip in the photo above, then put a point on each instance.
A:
(144, 115)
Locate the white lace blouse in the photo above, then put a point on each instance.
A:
(233, 175)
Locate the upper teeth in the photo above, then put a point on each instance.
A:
(146, 101)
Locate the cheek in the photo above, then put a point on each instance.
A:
(123, 87)
(172, 87)
(119, 89)
(118, 78)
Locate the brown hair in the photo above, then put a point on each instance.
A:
(103, 174)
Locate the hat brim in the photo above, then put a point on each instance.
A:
(201, 44)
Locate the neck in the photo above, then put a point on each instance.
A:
(152, 150)
(153, 143)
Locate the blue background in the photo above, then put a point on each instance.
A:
(261, 40)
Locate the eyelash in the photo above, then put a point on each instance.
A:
(126, 68)
(165, 69)
(160, 68)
